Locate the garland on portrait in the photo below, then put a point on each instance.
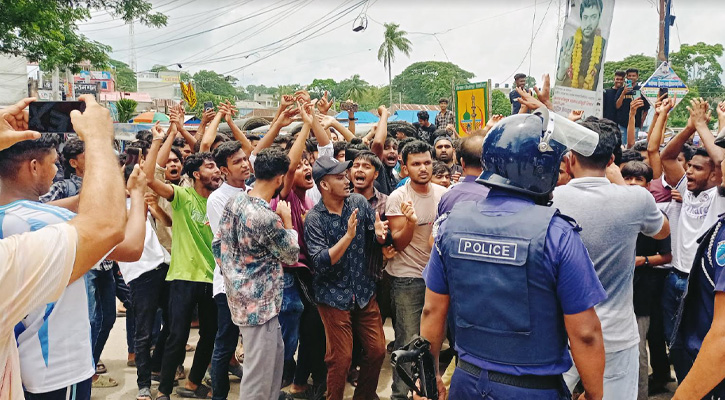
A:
(576, 61)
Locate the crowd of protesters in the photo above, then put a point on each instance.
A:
(290, 251)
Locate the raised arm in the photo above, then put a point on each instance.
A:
(229, 112)
(168, 143)
(210, 132)
(671, 167)
(284, 119)
(381, 133)
(631, 128)
(295, 157)
(702, 113)
(101, 218)
(163, 189)
(329, 121)
(656, 134)
(131, 248)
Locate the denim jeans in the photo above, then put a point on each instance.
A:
(183, 296)
(289, 316)
(123, 294)
(467, 386)
(311, 355)
(101, 308)
(408, 297)
(623, 131)
(225, 343)
(674, 291)
(146, 296)
(621, 375)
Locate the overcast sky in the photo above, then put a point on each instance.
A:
(486, 37)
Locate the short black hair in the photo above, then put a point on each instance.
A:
(688, 151)
(311, 145)
(405, 142)
(71, 150)
(423, 115)
(270, 163)
(443, 100)
(608, 133)
(224, 151)
(370, 157)
(590, 3)
(635, 70)
(637, 169)
(220, 137)
(353, 149)
(176, 151)
(194, 162)
(145, 135)
(26, 150)
(470, 150)
(631, 155)
(440, 168)
(179, 142)
(619, 72)
(640, 146)
(700, 151)
(416, 147)
(519, 76)
(253, 137)
(338, 147)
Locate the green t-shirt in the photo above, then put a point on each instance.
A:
(191, 255)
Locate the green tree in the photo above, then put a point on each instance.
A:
(318, 87)
(500, 103)
(373, 97)
(159, 68)
(426, 82)
(126, 109)
(353, 88)
(530, 81)
(394, 40)
(45, 31)
(214, 83)
(203, 97)
(124, 76)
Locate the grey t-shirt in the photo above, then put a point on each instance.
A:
(611, 217)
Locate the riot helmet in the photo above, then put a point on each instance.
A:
(523, 152)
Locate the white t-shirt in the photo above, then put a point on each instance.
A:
(322, 151)
(153, 255)
(54, 340)
(697, 215)
(410, 262)
(218, 199)
(35, 271)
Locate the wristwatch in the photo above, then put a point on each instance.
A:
(646, 261)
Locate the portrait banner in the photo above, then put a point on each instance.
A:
(582, 52)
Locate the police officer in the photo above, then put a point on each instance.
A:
(701, 328)
(516, 276)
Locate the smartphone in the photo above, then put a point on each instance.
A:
(629, 83)
(636, 93)
(53, 116)
(208, 105)
(665, 92)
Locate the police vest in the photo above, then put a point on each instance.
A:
(504, 298)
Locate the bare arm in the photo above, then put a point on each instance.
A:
(664, 231)
(295, 156)
(671, 167)
(69, 203)
(131, 248)
(101, 218)
(433, 321)
(654, 138)
(284, 119)
(168, 143)
(587, 349)
(210, 133)
(402, 229)
(701, 113)
(238, 134)
(707, 371)
(161, 188)
(333, 122)
(351, 122)
(381, 133)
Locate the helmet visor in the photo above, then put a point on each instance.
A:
(572, 135)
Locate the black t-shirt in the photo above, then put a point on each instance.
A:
(645, 278)
(515, 104)
(610, 104)
(425, 133)
(386, 181)
(623, 112)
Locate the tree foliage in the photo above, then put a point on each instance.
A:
(500, 103)
(393, 40)
(214, 83)
(45, 31)
(126, 109)
(124, 76)
(426, 82)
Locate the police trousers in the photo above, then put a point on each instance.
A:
(465, 385)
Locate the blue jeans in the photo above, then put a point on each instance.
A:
(289, 316)
(225, 343)
(408, 297)
(101, 308)
(623, 131)
(123, 293)
(674, 291)
(467, 386)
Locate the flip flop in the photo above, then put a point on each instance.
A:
(144, 394)
(201, 392)
(101, 368)
(104, 382)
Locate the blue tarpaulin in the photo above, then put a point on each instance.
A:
(363, 117)
(412, 116)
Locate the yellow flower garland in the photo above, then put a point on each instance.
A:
(576, 60)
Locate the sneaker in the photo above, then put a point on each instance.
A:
(144, 394)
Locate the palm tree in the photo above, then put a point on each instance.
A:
(394, 40)
(357, 88)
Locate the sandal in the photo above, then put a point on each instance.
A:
(144, 394)
(163, 397)
(101, 368)
(201, 392)
(104, 382)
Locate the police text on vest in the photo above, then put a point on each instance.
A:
(487, 248)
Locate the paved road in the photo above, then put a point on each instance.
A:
(114, 356)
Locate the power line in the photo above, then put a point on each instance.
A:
(531, 45)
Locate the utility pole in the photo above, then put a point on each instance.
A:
(666, 21)
(131, 45)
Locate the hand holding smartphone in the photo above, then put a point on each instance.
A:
(53, 116)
